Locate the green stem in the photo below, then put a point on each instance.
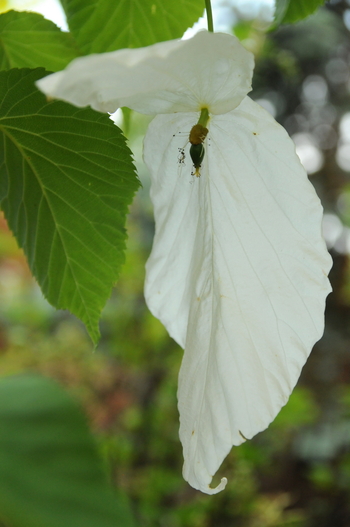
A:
(209, 16)
(204, 117)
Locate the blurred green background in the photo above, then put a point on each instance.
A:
(297, 473)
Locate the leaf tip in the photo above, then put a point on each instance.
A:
(94, 334)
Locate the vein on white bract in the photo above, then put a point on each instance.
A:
(238, 269)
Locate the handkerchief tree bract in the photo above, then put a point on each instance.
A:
(238, 269)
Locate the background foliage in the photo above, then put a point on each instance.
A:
(297, 473)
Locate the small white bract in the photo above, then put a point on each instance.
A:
(238, 269)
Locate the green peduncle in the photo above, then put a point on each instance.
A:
(209, 16)
(204, 117)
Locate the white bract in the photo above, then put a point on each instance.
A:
(238, 269)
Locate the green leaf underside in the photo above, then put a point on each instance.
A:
(98, 27)
(66, 180)
(28, 40)
(50, 472)
(290, 11)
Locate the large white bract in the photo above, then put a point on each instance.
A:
(238, 269)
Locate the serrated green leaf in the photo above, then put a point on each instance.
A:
(50, 473)
(28, 40)
(291, 11)
(101, 25)
(66, 180)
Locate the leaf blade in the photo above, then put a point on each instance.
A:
(291, 11)
(280, 11)
(50, 474)
(67, 179)
(28, 40)
(132, 23)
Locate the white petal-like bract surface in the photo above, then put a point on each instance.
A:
(210, 70)
(237, 274)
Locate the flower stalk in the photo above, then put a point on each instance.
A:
(209, 16)
(204, 117)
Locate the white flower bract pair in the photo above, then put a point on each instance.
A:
(238, 269)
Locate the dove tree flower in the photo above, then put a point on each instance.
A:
(238, 269)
